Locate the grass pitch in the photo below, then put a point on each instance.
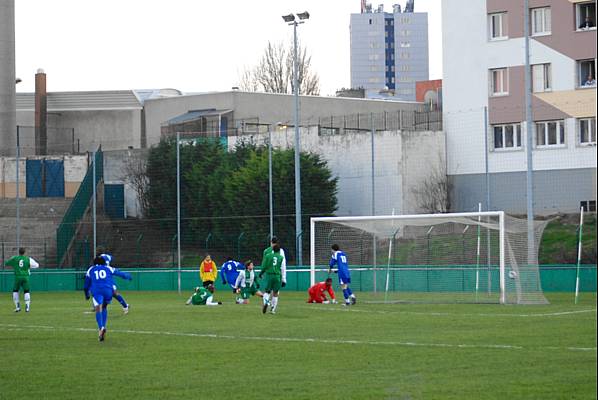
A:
(165, 350)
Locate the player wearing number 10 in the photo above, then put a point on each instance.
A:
(344, 275)
(98, 280)
(21, 265)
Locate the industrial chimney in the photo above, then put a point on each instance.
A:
(41, 114)
(8, 119)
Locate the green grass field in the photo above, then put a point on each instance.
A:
(165, 350)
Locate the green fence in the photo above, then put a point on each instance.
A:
(555, 278)
(67, 229)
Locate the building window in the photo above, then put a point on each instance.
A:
(586, 73)
(507, 136)
(540, 21)
(550, 133)
(541, 78)
(405, 44)
(497, 26)
(404, 55)
(585, 16)
(589, 205)
(499, 85)
(587, 131)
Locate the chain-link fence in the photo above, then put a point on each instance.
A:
(227, 191)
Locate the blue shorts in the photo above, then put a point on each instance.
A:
(344, 279)
(102, 297)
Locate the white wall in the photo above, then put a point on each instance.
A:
(402, 161)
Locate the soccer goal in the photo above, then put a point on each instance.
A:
(477, 257)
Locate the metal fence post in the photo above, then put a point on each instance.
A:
(239, 245)
(18, 199)
(138, 249)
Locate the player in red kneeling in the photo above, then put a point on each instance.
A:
(317, 293)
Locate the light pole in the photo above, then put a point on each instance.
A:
(291, 20)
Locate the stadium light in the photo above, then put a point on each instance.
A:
(290, 20)
(304, 15)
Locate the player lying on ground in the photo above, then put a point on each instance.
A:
(339, 258)
(98, 281)
(317, 293)
(246, 285)
(203, 297)
(21, 265)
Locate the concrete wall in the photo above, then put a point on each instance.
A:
(555, 191)
(267, 107)
(116, 170)
(112, 129)
(75, 168)
(8, 177)
(402, 161)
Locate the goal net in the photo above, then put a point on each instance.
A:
(478, 257)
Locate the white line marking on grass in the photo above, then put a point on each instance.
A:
(445, 314)
(10, 327)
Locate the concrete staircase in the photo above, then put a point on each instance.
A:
(39, 218)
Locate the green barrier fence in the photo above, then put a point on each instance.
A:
(554, 278)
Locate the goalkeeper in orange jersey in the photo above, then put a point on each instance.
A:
(317, 293)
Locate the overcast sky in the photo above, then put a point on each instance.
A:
(190, 45)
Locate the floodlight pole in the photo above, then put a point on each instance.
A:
(18, 191)
(531, 255)
(291, 20)
(94, 202)
(178, 209)
(270, 203)
(298, 248)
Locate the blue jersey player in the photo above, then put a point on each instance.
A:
(339, 258)
(115, 293)
(229, 271)
(98, 280)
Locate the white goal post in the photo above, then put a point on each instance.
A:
(433, 257)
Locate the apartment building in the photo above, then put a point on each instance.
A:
(484, 108)
(389, 51)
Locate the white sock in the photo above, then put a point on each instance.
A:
(15, 298)
(27, 297)
(266, 298)
(274, 302)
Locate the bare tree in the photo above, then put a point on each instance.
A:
(274, 72)
(134, 173)
(433, 193)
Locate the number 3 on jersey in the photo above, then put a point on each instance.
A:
(101, 274)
